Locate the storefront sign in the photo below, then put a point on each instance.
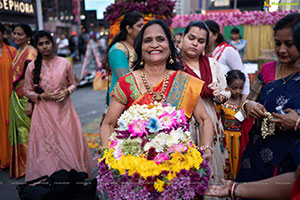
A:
(17, 7)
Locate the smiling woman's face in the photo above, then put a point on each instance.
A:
(20, 37)
(155, 45)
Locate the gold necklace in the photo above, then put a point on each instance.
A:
(157, 96)
(285, 81)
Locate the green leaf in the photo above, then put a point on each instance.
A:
(202, 172)
(165, 179)
(152, 136)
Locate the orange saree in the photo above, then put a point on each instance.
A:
(182, 92)
(8, 54)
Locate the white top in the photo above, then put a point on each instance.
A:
(230, 59)
(60, 44)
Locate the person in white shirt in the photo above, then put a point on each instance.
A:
(225, 54)
(62, 46)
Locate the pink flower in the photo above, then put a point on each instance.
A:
(178, 148)
(137, 128)
(168, 120)
(182, 116)
(161, 158)
(113, 143)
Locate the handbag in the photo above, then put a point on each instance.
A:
(61, 185)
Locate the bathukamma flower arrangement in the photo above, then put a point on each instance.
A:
(151, 156)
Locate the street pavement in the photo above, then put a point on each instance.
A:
(89, 105)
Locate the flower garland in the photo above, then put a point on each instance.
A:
(267, 128)
(151, 156)
(233, 18)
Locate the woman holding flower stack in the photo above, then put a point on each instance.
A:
(156, 79)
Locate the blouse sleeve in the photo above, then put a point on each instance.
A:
(70, 77)
(28, 83)
(118, 62)
(119, 91)
(234, 61)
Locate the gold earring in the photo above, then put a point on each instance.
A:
(142, 61)
(171, 61)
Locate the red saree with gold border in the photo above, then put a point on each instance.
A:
(182, 92)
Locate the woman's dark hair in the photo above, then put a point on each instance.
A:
(179, 33)
(26, 28)
(235, 30)
(3, 31)
(289, 21)
(200, 25)
(139, 40)
(38, 61)
(296, 36)
(215, 29)
(129, 20)
(234, 75)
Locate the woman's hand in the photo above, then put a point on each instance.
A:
(220, 99)
(218, 190)
(255, 110)
(287, 121)
(215, 88)
(48, 96)
(61, 95)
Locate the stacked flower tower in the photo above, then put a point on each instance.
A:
(158, 9)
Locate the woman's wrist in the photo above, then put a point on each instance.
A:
(243, 106)
(69, 92)
(207, 147)
(233, 191)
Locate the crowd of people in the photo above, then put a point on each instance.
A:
(249, 136)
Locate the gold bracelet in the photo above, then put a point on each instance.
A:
(297, 123)
(69, 92)
(204, 148)
(41, 95)
(243, 106)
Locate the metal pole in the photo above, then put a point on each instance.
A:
(39, 15)
(79, 20)
(235, 4)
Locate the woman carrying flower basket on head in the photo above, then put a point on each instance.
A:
(121, 52)
(151, 154)
(56, 138)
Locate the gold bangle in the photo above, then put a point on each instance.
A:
(69, 92)
(41, 95)
(243, 106)
(297, 123)
(204, 148)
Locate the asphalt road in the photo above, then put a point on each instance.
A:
(89, 105)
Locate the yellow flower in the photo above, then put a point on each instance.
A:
(159, 185)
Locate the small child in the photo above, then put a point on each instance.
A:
(232, 127)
